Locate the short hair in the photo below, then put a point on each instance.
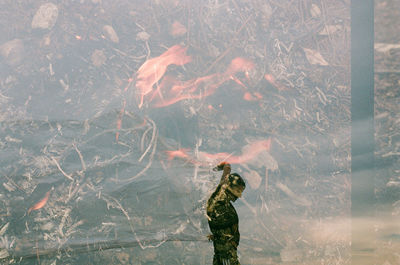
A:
(235, 180)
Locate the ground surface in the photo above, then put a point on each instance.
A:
(86, 176)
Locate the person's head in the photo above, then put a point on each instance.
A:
(236, 185)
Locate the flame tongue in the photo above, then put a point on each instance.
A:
(180, 90)
(181, 153)
(154, 69)
(170, 91)
(249, 152)
(200, 87)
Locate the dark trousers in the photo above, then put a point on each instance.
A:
(225, 253)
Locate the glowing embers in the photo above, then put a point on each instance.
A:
(249, 152)
(158, 90)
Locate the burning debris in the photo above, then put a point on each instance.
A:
(153, 70)
(158, 90)
(129, 156)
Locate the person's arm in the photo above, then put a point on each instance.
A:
(226, 167)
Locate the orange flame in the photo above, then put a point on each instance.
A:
(180, 153)
(248, 153)
(153, 69)
(252, 96)
(41, 203)
(180, 90)
(170, 90)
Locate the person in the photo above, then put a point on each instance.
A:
(222, 217)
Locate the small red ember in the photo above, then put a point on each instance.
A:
(41, 203)
(249, 97)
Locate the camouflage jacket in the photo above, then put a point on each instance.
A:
(224, 223)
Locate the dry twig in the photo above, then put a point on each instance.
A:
(59, 168)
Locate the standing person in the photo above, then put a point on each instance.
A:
(222, 217)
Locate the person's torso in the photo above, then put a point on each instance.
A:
(224, 222)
